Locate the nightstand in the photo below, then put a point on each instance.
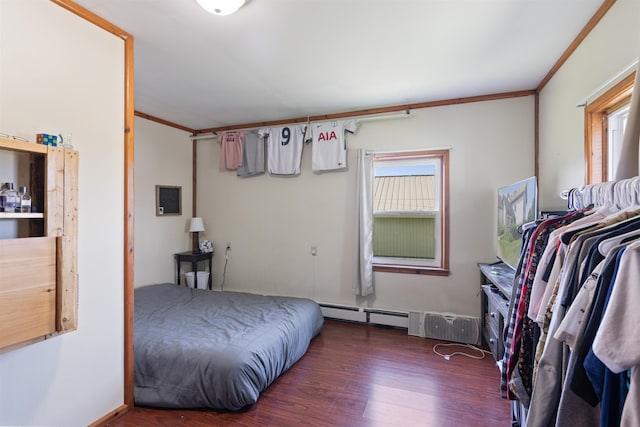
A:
(194, 259)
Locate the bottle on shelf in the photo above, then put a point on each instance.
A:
(9, 198)
(3, 197)
(67, 141)
(24, 200)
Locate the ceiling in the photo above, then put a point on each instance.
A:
(281, 59)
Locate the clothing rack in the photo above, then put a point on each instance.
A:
(619, 194)
(574, 273)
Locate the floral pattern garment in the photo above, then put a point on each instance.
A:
(521, 350)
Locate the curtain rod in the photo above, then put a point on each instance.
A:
(609, 83)
(375, 117)
(203, 136)
(403, 115)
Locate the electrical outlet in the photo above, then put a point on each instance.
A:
(228, 245)
(314, 250)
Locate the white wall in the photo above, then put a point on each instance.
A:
(610, 48)
(60, 73)
(271, 221)
(163, 157)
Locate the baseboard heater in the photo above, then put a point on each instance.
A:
(445, 326)
(373, 316)
(440, 326)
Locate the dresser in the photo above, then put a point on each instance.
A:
(496, 281)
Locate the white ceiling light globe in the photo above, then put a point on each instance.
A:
(221, 7)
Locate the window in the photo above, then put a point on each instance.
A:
(605, 119)
(617, 121)
(410, 212)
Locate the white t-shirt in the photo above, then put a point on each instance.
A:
(329, 144)
(284, 149)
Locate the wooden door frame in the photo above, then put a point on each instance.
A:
(596, 144)
(128, 190)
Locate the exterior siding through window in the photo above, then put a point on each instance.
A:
(404, 218)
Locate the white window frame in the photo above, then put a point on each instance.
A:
(617, 122)
(440, 264)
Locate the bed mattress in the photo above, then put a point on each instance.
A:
(196, 348)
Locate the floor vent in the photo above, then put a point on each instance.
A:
(445, 326)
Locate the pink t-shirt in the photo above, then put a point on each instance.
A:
(231, 150)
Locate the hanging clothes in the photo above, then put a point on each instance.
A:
(252, 155)
(230, 150)
(577, 276)
(617, 343)
(329, 146)
(284, 149)
(521, 329)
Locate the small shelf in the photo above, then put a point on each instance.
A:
(15, 145)
(19, 215)
(45, 240)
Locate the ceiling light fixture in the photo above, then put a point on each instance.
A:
(221, 7)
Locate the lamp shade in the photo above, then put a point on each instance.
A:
(196, 225)
(221, 7)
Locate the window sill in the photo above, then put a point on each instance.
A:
(411, 269)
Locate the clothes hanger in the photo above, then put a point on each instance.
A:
(606, 245)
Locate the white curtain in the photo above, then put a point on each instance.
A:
(363, 281)
(627, 166)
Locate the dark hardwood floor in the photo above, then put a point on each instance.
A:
(357, 375)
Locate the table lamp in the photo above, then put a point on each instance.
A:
(196, 226)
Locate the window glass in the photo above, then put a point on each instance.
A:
(605, 119)
(408, 224)
(617, 123)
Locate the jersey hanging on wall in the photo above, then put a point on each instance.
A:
(329, 144)
(252, 155)
(284, 150)
(231, 150)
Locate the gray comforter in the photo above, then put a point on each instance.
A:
(195, 348)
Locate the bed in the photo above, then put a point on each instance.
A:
(196, 348)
